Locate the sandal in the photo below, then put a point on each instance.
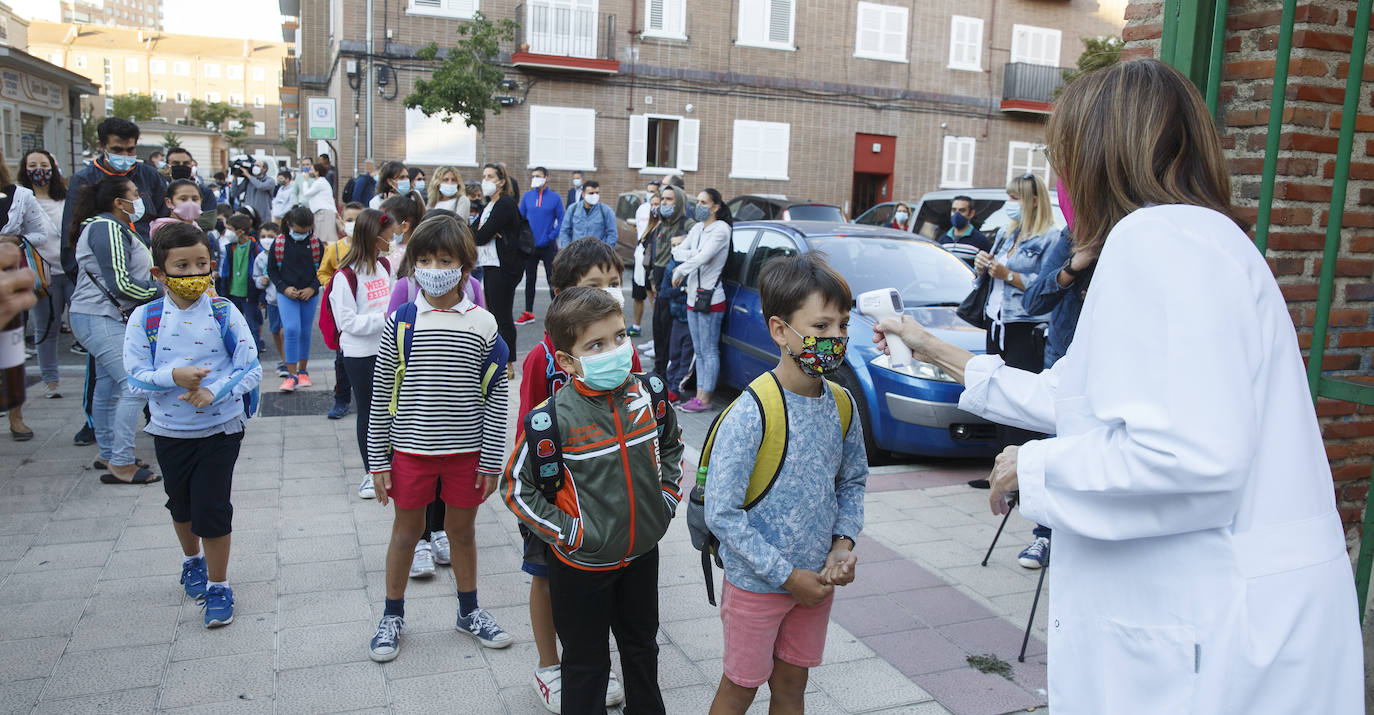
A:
(142, 476)
(101, 465)
(18, 436)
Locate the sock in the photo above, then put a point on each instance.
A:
(187, 559)
(467, 602)
(395, 607)
(221, 584)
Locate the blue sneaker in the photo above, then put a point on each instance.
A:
(386, 644)
(219, 606)
(194, 577)
(338, 411)
(480, 625)
(1036, 555)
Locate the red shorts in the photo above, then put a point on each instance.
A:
(762, 626)
(413, 477)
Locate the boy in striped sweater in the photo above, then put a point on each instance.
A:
(438, 414)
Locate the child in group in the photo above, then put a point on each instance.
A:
(785, 554)
(590, 263)
(196, 375)
(268, 292)
(621, 462)
(680, 350)
(441, 417)
(236, 273)
(329, 263)
(291, 266)
(183, 204)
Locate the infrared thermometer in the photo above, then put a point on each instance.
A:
(887, 303)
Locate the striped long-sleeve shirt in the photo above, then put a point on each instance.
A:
(440, 407)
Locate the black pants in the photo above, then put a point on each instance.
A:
(358, 372)
(198, 475)
(341, 380)
(542, 254)
(588, 604)
(498, 288)
(663, 330)
(1022, 347)
(434, 513)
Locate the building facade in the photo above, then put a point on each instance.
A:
(173, 69)
(112, 13)
(840, 101)
(40, 104)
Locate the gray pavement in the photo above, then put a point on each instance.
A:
(92, 618)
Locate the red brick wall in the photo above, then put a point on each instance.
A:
(1302, 192)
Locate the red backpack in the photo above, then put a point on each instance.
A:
(328, 327)
(316, 249)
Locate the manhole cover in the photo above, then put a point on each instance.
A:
(294, 404)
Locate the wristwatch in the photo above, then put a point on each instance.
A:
(1075, 274)
(837, 537)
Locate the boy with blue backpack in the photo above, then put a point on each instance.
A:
(201, 375)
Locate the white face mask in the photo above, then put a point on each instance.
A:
(536, 181)
(348, 228)
(617, 293)
(592, 199)
(488, 187)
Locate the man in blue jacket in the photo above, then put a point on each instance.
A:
(365, 184)
(543, 209)
(589, 217)
(117, 138)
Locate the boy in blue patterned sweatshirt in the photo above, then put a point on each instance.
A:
(197, 372)
(787, 551)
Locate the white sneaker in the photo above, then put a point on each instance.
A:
(615, 692)
(548, 687)
(423, 564)
(367, 490)
(646, 349)
(438, 541)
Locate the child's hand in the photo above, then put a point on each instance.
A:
(200, 397)
(381, 481)
(487, 482)
(807, 587)
(189, 377)
(291, 293)
(839, 566)
(305, 293)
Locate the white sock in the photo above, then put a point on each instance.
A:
(187, 559)
(222, 584)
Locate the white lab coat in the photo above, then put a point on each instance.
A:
(1199, 564)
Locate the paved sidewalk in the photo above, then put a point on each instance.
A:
(92, 618)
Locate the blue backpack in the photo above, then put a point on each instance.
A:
(152, 320)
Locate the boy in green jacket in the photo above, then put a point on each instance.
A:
(621, 453)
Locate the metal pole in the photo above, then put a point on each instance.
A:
(1218, 49)
(1271, 144)
(1025, 639)
(368, 79)
(1011, 506)
(1366, 560)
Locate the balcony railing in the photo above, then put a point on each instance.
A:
(290, 72)
(1030, 88)
(555, 35)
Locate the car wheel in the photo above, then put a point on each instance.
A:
(876, 457)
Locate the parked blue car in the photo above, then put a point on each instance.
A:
(914, 411)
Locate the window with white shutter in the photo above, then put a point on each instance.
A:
(212, 97)
(880, 32)
(130, 64)
(665, 18)
(460, 9)
(767, 23)
(212, 70)
(159, 95)
(966, 43)
(957, 166)
(431, 140)
(759, 150)
(562, 138)
(1027, 158)
(663, 144)
(1035, 45)
(259, 129)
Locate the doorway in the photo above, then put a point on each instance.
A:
(869, 191)
(874, 162)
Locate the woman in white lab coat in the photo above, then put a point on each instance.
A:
(1199, 562)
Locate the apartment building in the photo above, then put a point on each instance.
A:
(845, 101)
(173, 69)
(40, 105)
(114, 13)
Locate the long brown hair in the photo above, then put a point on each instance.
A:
(507, 188)
(1131, 135)
(362, 255)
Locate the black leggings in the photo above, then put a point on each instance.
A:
(498, 288)
(1023, 348)
(359, 372)
(542, 254)
(663, 329)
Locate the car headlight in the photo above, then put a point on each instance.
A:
(922, 370)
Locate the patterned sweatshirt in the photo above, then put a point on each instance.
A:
(819, 493)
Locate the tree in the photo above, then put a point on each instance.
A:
(213, 115)
(1098, 52)
(171, 140)
(134, 107)
(468, 77)
(238, 138)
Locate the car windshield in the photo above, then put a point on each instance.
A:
(814, 212)
(922, 272)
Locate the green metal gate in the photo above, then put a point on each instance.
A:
(1193, 40)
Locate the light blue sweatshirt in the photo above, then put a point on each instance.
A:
(819, 493)
(191, 338)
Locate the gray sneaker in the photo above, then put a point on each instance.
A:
(422, 566)
(480, 625)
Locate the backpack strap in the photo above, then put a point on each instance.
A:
(767, 394)
(658, 396)
(152, 320)
(545, 449)
(220, 307)
(844, 402)
(404, 337)
(494, 365)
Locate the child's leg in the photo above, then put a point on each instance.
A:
(462, 539)
(172, 459)
(732, 698)
(292, 328)
(307, 309)
(405, 533)
(541, 621)
(639, 311)
(634, 621)
(274, 327)
(358, 372)
(212, 512)
(342, 383)
(582, 607)
(788, 688)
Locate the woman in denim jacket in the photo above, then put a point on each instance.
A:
(1018, 252)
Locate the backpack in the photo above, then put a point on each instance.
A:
(152, 321)
(766, 392)
(403, 335)
(526, 239)
(328, 327)
(545, 446)
(316, 249)
(348, 189)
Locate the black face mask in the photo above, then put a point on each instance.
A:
(181, 172)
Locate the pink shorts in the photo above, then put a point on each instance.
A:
(413, 479)
(762, 626)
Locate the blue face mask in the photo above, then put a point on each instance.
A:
(702, 212)
(666, 210)
(959, 220)
(608, 370)
(403, 187)
(299, 236)
(119, 162)
(1013, 209)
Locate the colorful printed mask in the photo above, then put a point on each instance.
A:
(189, 287)
(819, 356)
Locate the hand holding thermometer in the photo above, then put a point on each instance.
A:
(887, 303)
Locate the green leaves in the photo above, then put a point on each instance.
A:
(214, 114)
(465, 83)
(134, 107)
